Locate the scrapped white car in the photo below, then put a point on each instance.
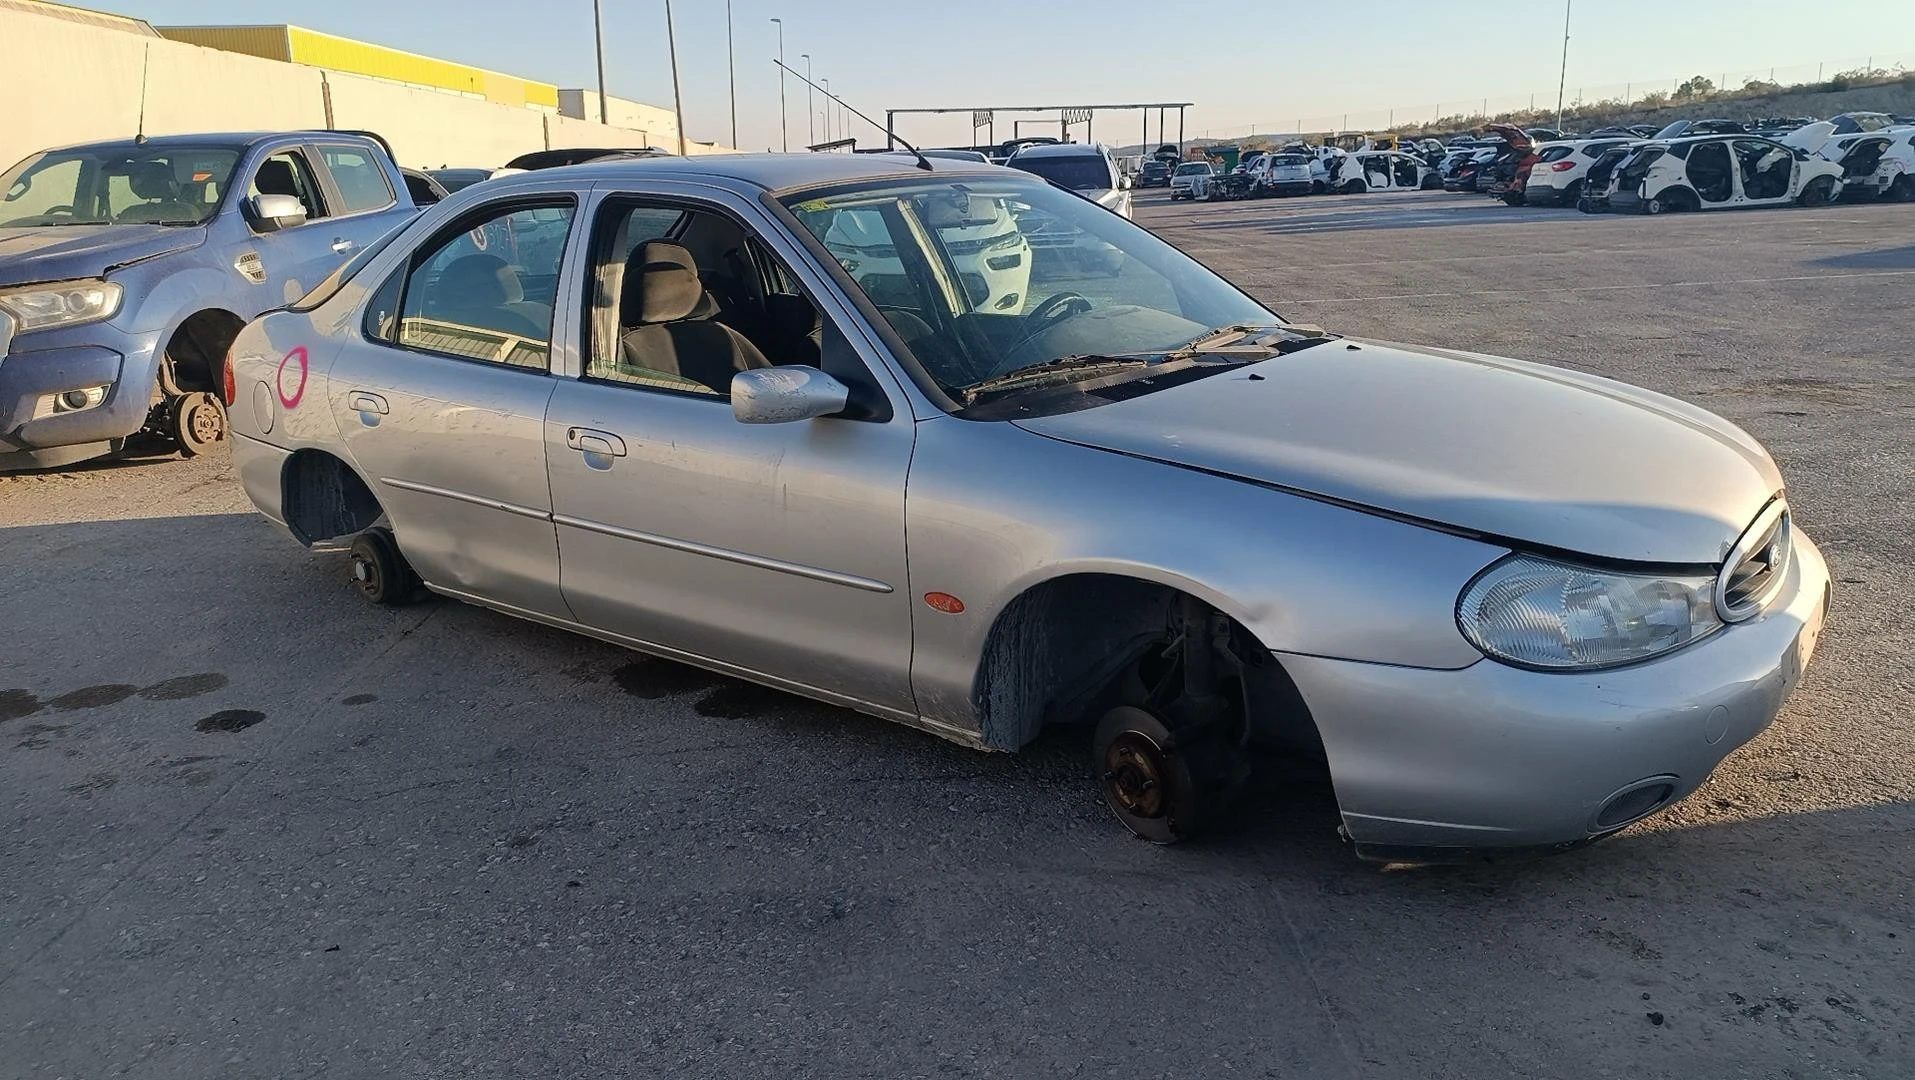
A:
(1561, 169)
(1281, 174)
(1188, 181)
(1721, 172)
(1875, 163)
(1382, 170)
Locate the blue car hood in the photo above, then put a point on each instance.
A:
(1480, 443)
(65, 252)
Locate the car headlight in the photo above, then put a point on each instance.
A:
(62, 303)
(1535, 612)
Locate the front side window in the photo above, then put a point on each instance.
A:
(988, 281)
(359, 177)
(287, 173)
(486, 292)
(102, 186)
(685, 299)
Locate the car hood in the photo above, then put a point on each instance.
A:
(64, 252)
(1810, 137)
(1509, 450)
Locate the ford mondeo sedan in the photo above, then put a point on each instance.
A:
(658, 402)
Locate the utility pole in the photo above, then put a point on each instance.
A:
(678, 101)
(811, 117)
(598, 38)
(784, 136)
(731, 74)
(1562, 79)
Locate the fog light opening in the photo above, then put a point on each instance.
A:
(1635, 802)
(78, 400)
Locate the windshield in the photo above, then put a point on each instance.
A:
(1078, 172)
(108, 185)
(1289, 159)
(986, 279)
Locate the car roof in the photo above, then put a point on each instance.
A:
(235, 140)
(769, 172)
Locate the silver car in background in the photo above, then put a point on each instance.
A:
(1505, 605)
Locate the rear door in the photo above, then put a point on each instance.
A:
(440, 399)
(365, 203)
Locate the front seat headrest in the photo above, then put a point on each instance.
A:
(479, 281)
(275, 177)
(152, 180)
(661, 285)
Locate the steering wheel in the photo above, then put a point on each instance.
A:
(1054, 309)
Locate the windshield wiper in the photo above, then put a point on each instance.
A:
(1063, 365)
(1253, 337)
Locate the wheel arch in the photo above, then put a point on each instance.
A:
(322, 497)
(193, 356)
(1055, 648)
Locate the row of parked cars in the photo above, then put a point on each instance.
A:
(1697, 165)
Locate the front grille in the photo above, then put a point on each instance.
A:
(1755, 567)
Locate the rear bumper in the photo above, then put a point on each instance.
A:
(1437, 765)
(37, 368)
(1542, 196)
(1288, 187)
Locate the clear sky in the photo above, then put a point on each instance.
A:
(1246, 63)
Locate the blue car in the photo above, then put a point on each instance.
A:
(128, 267)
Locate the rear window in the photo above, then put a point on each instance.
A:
(360, 178)
(1077, 172)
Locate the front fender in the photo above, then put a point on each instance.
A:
(993, 510)
(169, 295)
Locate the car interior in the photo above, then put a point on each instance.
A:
(1864, 157)
(286, 174)
(1766, 169)
(1709, 172)
(1406, 172)
(162, 200)
(687, 299)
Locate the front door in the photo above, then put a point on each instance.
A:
(1766, 171)
(441, 401)
(777, 549)
(1711, 173)
(290, 261)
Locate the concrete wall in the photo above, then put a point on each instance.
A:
(65, 82)
(660, 124)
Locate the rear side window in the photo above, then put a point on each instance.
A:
(1556, 153)
(485, 292)
(359, 177)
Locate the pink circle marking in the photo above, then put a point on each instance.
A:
(299, 388)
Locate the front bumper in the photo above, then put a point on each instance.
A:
(1438, 765)
(38, 366)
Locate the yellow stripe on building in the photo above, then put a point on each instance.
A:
(298, 45)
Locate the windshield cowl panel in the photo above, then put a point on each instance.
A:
(982, 278)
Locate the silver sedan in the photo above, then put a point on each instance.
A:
(782, 417)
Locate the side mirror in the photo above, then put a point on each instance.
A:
(1123, 183)
(271, 213)
(784, 395)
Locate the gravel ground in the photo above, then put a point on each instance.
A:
(255, 827)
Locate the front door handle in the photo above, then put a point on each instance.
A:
(341, 245)
(362, 401)
(593, 441)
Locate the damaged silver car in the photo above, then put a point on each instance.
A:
(1505, 605)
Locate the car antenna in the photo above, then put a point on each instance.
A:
(923, 162)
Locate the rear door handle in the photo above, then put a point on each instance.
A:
(363, 401)
(593, 441)
(341, 245)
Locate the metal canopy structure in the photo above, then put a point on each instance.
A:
(985, 116)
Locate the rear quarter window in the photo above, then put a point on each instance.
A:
(1555, 153)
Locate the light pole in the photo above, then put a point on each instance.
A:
(1562, 79)
(826, 83)
(731, 75)
(784, 136)
(598, 40)
(811, 118)
(678, 101)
